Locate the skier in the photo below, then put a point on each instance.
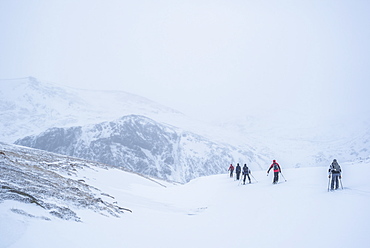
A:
(231, 169)
(246, 172)
(238, 170)
(277, 169)
(335, 173)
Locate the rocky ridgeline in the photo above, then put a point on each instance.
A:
(51, 182)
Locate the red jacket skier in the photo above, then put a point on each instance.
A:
(231, 169)
(277, 169)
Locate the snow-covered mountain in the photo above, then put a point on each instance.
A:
(28, 106)
(50, 200)
(145, 146)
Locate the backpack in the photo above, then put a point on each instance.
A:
(276, 166)
(335, 167)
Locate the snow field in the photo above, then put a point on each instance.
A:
(213, 211)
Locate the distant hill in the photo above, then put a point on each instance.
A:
(28, 106)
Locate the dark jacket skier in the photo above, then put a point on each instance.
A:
(231, 169)
(277, 170)
(246, 172)
(238, 170)
(335, 173)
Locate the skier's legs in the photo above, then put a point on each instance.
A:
(248, 178)
(276, 177)
(334, 181)
(337, 181)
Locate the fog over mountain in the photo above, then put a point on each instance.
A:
(30, 107)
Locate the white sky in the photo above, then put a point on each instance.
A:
(205, 58)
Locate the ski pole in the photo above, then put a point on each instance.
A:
(340, 179)
(282, 176)
(253, 177)
(329, 183)
(241, 179)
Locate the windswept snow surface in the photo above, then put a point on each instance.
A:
(213, 211)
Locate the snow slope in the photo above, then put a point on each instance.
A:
(213, 211)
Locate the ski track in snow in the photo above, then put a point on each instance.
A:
(213, 211)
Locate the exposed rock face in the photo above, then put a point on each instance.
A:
(144, 146)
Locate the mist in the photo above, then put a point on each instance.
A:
(212, 60)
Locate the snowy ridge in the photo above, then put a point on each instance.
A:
(145, 146)
(53, 183)
(28, 106)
